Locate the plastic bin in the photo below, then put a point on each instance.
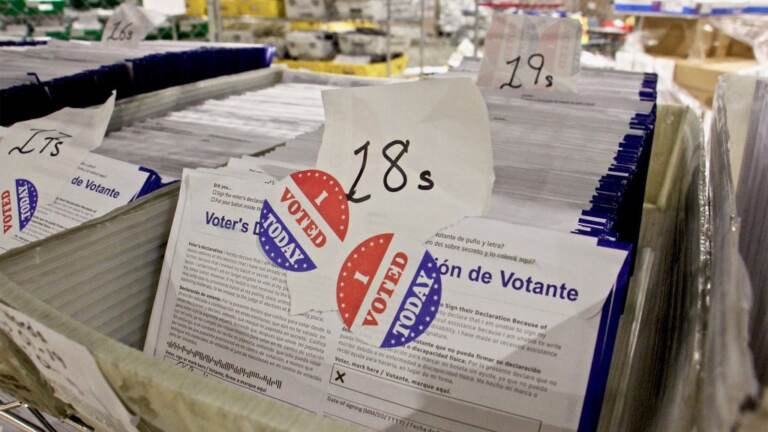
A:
(65, 282)
(197, 8)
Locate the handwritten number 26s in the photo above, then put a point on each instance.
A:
(535, 62)
(120, 32)
(391, 184)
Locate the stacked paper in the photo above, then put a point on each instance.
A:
(209, 134)
(58, 59)
(586, 175)
(752, 209)
(81, 74)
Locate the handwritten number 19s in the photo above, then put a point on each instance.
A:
(535, 62)
(391, 185)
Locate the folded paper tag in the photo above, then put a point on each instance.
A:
(527, 52)
(412, 158)
(127, 26)
(70, 369)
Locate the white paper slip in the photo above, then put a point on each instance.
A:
(37, 157)
(127, 26)
(70, 369)
(222, 307)
(395, 149)
(99, 185)
(529, 52)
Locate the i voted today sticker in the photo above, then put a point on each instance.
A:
(25, 203)
(388, 291)
(307, 215)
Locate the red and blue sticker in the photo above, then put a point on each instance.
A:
(307, 215)
(388, 292)
(26, 204)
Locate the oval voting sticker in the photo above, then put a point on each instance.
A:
(26, 200)
(306, 216)
(25, 203)
(388, 292)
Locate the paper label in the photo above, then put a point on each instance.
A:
(528, 52)
(395, 149)
(37, 158)
(127, 26)
(70, 369)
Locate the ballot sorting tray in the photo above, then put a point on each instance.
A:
(95, 284)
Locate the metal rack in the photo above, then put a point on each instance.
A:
(10, 413)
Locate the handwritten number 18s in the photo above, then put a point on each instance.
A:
(535, 62)
(390, 184)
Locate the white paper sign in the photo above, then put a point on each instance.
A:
(70, 369)
(127, 26)
(396, 150)
(413, 158)
(527, 52)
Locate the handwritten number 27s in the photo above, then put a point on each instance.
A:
(389, 184)
(42, 140)
(535, 62)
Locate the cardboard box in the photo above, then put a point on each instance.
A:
(699, 77)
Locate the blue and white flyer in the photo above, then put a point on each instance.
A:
(98, 186)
